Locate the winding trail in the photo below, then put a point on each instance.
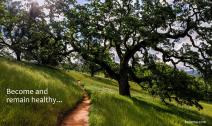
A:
(80, 115)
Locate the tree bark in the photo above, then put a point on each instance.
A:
(18, 55)
(124, 87)
(92, 73)
(92, 70)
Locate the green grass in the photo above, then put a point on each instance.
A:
(17, 75)
(108, 108)
(111, 109)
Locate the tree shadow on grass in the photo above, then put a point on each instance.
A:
(119, 111)
(187, 115)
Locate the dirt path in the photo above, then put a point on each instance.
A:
(79, 116)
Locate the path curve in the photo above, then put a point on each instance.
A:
(80, 115)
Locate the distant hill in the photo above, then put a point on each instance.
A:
(192, 72)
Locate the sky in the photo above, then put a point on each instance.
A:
(84, 1)
(39, 1)
(42, 1)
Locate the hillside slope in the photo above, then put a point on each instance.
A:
(111, 109)
(108, 108)
(16, 75)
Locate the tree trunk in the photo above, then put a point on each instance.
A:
(92, 69)
(92, 73)
(124, 87)
(18, 55)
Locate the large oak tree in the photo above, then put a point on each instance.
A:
(136, 30)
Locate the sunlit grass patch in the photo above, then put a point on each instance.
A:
(108, 108)
(17, 75)
(111, 109)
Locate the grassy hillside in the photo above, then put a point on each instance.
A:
(108, 107)
(15, 75)
(111, 109)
